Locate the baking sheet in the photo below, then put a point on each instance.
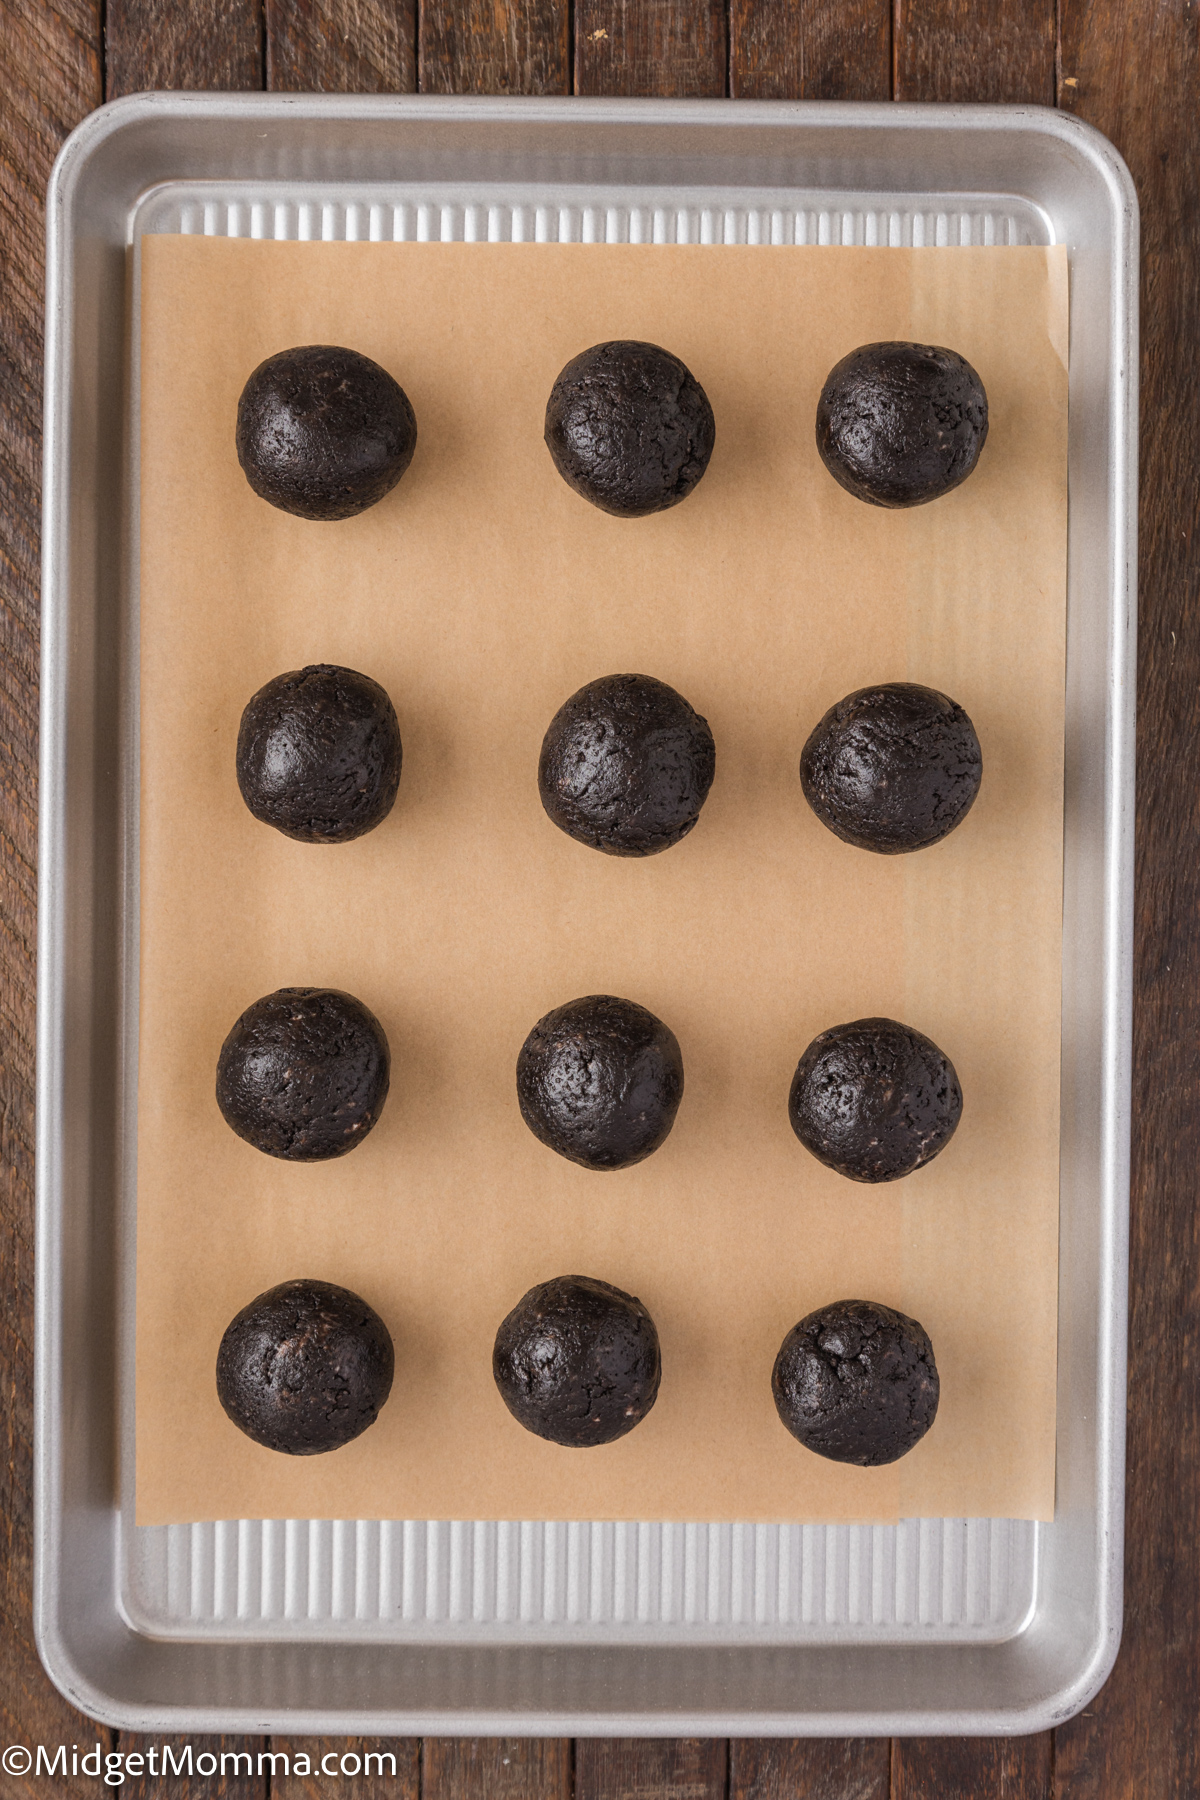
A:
(481, 593)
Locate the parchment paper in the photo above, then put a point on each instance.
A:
(482, 593)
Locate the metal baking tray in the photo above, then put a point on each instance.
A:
(340, 1626)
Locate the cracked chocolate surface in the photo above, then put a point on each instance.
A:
(892, 768)
(323, 432)
(600, 1081)
(577, 1361)
(629, 427)
(304, 1074)
(319, 754)
(857, 1382)
(626, 766)
(305, 1367)
(874, 1099)
(901, 424)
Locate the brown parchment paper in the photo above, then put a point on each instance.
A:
(481, 593)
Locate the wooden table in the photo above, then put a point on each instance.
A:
(1128, 66)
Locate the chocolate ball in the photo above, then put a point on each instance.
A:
(626, 766)
(899, 424)
(304, 1074)
(892, 768)
(857, 1382)
(323, 432)
(319, 754)
(305, 1367)
(577, 1362)
(629, 427)
(874, 1100)
(600, 1081)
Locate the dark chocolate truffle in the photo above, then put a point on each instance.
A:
(856, 1382)
(892, 768)
(304, 1074)
(305, 1367)
(323, 432)
(874, 1100)
(318, 754)
(629, 428)
(900, 424)
(626, 766)
(600, 1081)
(577, 1361)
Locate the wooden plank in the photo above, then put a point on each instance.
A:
(810, 50)
(974, 1769)
(341, 46)
(1134, 71)
(651, 1769)
(667, 47)
(220, 1768)
(166, 44)
(809, 1769)
(494, 47)
(334, 1768)
(496, 1769)
(1001, 50)
(50, 51)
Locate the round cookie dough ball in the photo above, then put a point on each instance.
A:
(900, 424)
(600, 1081)
(874, 1100)
(304, 1074)
(626, 766)
(319, 754)
(305, 1367)
(856, 1382)
(629, 427)
(323, 432)
(892, 768)
(577, 1362)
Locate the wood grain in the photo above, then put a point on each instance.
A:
(809, 1769)
(665, 47)
(998, 50)
(50, 55)
(496, 1769)
(1134, 71)
(651, 1769)
(810, 50)
(494, 47)
(194, 44)
(341, 46)
(972, 1768)
(364, 1768)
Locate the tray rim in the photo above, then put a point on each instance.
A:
(1115, 1054)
